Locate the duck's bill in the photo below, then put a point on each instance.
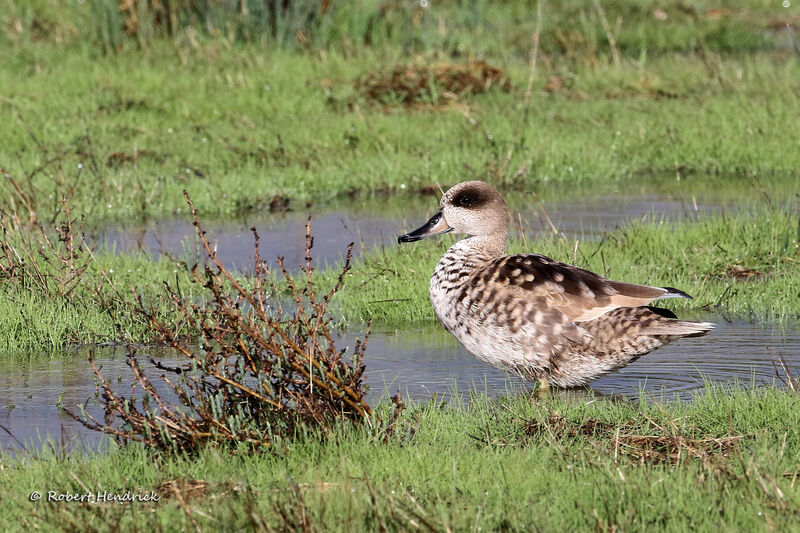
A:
(435, 226)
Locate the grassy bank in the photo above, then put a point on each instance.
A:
(44, 322)
(274, 125)
(268, 123)
(698, 92)
(58, 292)
(729, 460)
(741, 263)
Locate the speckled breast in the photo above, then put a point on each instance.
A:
(479, 323)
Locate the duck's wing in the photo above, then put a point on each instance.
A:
(579, 294)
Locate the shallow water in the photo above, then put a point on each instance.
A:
(378, 221)
(421, 363)
(430, 362)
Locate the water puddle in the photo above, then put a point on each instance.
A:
(421, 363)
(429, 362)
(376, 221)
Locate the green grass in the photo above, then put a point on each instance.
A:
(699, 257)
(147, 122)
(461, 468)
(42, 322)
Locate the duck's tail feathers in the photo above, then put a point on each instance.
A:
(672, 292)
(679, 328)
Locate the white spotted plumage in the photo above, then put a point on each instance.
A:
(540, 319)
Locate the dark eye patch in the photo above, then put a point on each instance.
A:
(470, 198)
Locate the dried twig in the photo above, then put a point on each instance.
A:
(787, 377)
(612, 42)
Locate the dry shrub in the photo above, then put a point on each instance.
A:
(21, 201)
(413, 85)
(183, 489)
(259, 373)
(625, 440)
(50, 261)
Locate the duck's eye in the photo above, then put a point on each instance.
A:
(465, 200)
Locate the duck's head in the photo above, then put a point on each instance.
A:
(471, 207)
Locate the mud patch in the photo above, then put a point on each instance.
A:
(742, 273)
(416, 85)
(118, 159)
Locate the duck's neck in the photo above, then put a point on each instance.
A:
(488, 247)
(474, 252)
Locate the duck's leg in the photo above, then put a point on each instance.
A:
(542, 387)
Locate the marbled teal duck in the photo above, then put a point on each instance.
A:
(542, 320)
